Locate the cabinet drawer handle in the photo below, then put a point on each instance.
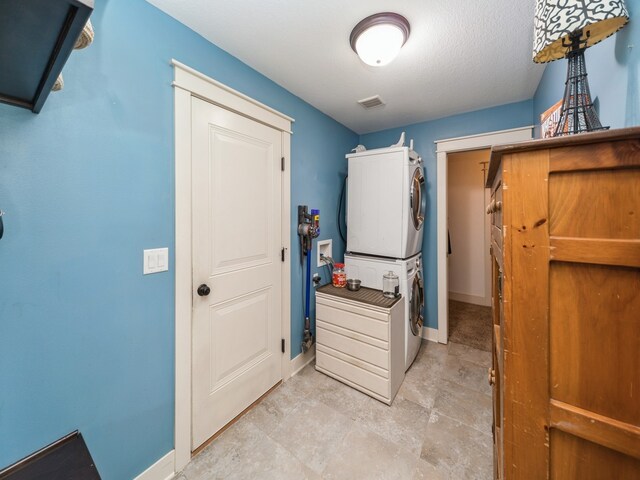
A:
(497, 207)
(491, 207)
(492, 376)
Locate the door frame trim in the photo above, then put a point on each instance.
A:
(443, 148)
(190, 83)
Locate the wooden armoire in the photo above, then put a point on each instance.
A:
(565, 216)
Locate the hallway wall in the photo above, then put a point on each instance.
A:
(469, 278)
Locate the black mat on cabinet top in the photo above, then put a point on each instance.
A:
(366, 295)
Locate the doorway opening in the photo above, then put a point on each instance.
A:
(468, 259)
(443, 149)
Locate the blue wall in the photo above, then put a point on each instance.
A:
(87, 341)
(424, 135)
(319, 173)
(614, 71)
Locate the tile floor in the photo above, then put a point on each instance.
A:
(313, 427)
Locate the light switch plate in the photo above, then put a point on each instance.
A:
(155, 260)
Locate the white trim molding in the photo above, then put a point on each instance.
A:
(183, 277)
(472, 299)
(302, 360)
(430, 334)
(220, 94)
(482, 140)
(443, 148)
(189, 83)
(163, 469)
(286, 266)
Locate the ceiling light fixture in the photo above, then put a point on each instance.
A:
(378, 38)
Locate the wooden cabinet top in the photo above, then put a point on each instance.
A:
(497, 151)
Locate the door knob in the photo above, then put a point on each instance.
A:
(204, 290)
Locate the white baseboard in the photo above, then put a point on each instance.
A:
(302, 360)
(163, 469)
(466, 298)
(430, 334)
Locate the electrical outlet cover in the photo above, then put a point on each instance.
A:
(325, 247)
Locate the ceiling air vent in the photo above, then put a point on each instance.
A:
(371, 102)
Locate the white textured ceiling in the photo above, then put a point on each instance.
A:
(462, 55)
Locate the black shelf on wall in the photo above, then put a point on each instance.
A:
(36, 39)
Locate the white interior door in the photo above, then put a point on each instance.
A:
(236, 204)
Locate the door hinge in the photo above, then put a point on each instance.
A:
(282, 164)
(282, 344)
(282, 253)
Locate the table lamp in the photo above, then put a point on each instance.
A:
(566, 28)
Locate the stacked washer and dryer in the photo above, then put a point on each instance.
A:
(385, 219)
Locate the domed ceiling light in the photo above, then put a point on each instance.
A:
(378, 38)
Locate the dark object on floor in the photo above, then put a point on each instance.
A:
(64, 459)
(470, 325)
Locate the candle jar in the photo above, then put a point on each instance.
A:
(339, 277)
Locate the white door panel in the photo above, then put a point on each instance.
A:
(236, 204)
(235, 183)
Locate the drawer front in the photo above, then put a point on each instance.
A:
(332, 361)
(382, 344)
(356, 320)
(355, 348)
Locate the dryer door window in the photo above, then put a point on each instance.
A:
(416, 317)
(418, 198)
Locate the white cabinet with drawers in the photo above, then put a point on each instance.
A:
(360, 340)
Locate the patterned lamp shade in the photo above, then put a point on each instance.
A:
(556, 19)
